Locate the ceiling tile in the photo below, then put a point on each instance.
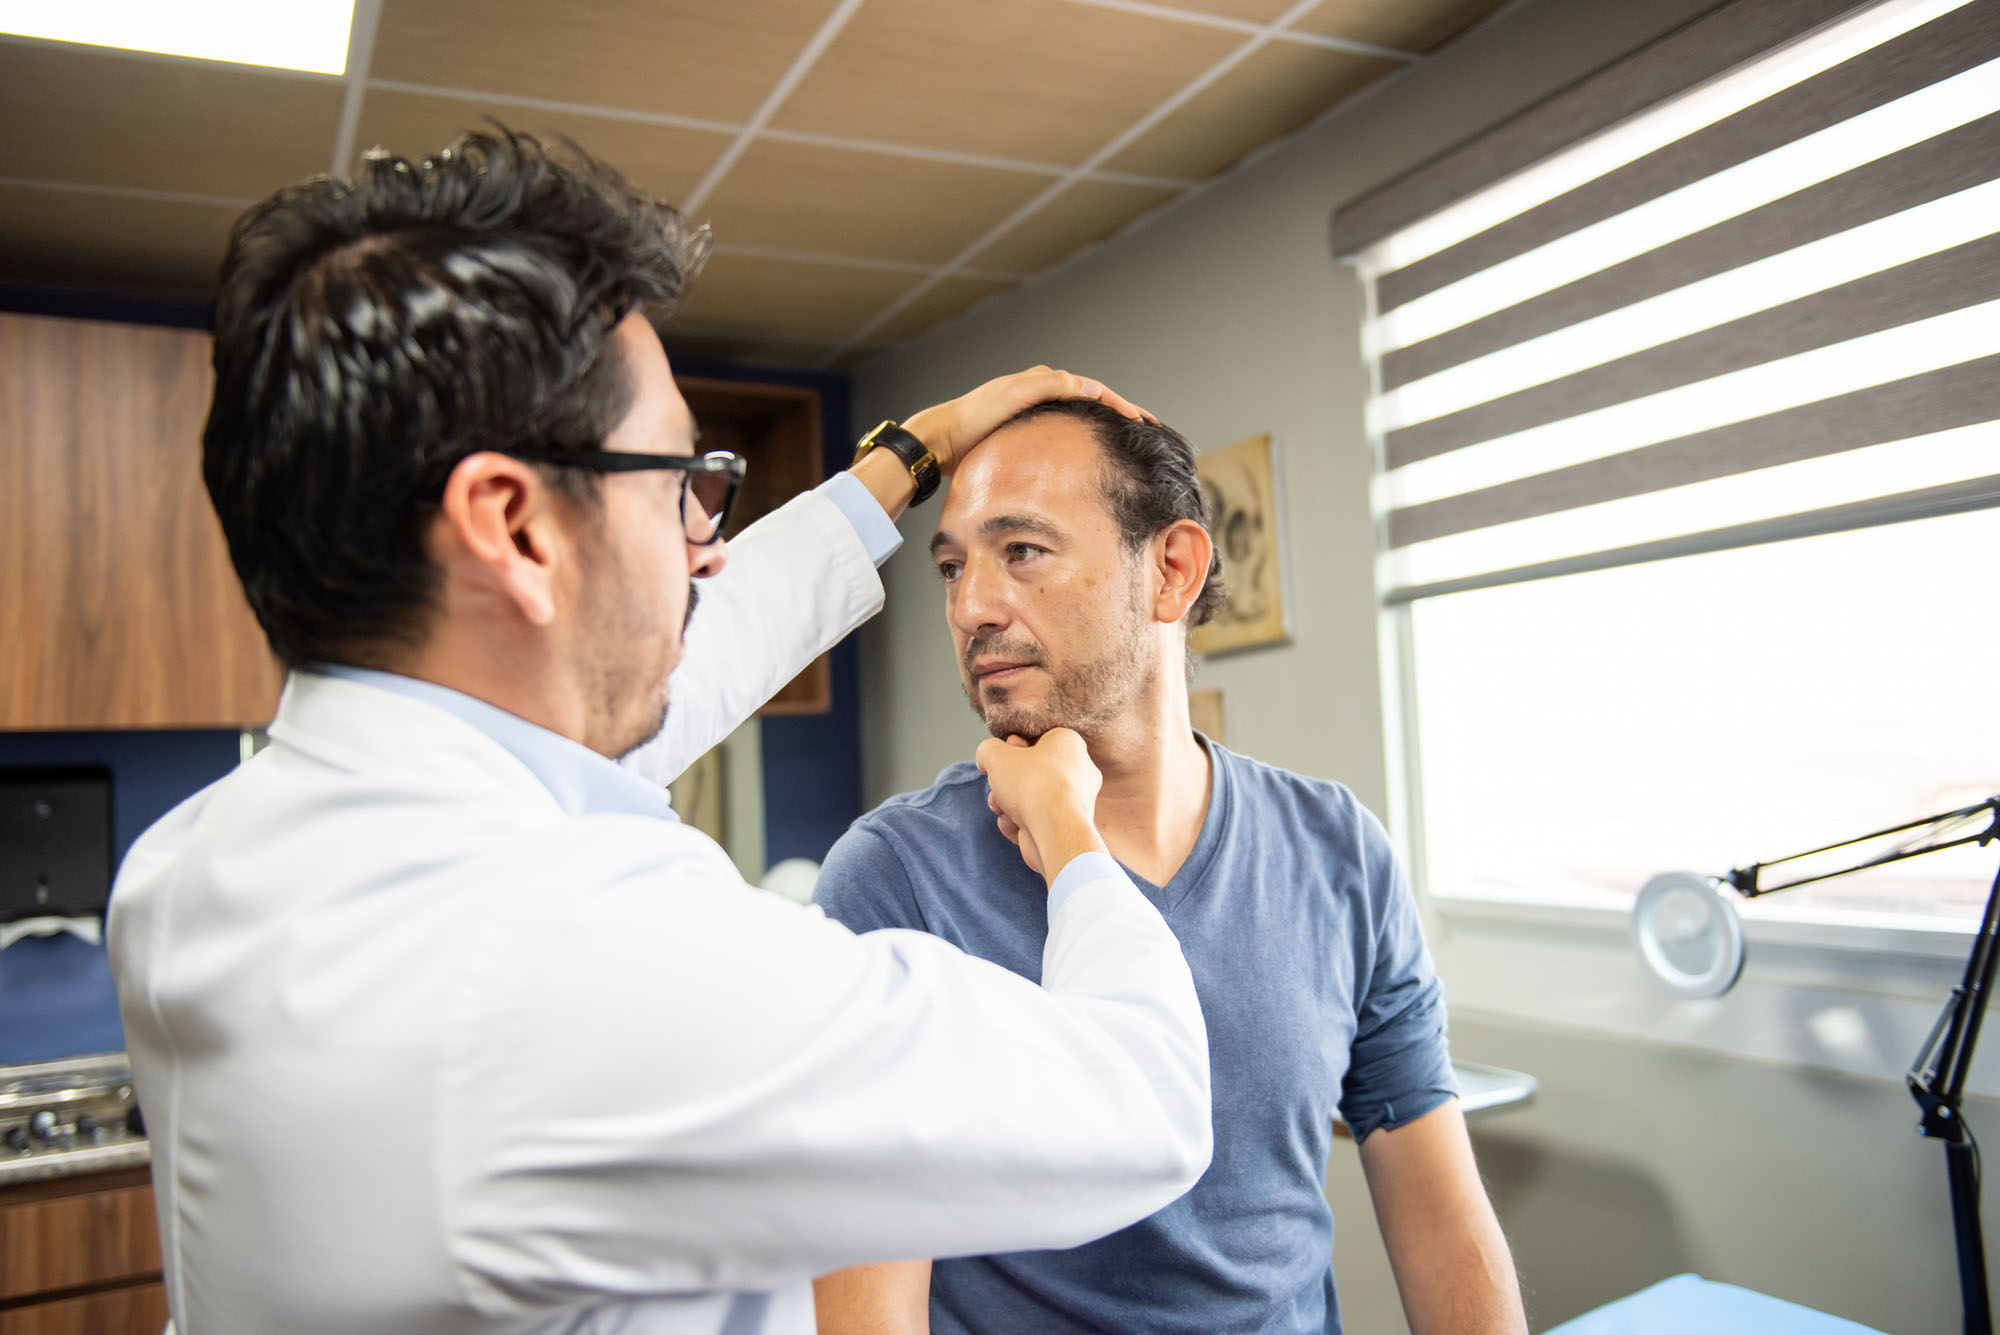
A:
(1036, 80)
(1250, 11)
(843, 202)
(681, 57)
(1278, 89)
(752, 296)
(949, 297)
(140, 247)
(1407, 25)
(755, 348)
(666, 162)
(109, 119)
(1088, 211)
(854, 357)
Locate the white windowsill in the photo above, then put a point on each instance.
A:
(1855, 993)
(1863, 941)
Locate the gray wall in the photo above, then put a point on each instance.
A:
(1229, 317)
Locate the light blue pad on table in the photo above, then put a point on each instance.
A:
(1691, 1303)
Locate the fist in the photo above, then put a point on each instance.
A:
(1045, 795)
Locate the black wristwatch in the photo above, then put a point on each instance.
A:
(916, 456)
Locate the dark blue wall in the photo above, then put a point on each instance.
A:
(150, 771)
(812, 762)
(56, 998)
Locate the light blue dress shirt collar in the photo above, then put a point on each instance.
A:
(582, 782)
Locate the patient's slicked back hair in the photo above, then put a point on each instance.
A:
(371, 333)
(1149, 483)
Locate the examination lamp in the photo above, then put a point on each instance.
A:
(1688, 932)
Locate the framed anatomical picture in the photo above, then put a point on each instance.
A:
(1242, 488)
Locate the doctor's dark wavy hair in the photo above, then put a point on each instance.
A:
(371, 333)
(1149, 483)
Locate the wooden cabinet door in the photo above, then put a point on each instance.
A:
(118, 607)
(135, 1311)
(81, 1256)
(77, 1233)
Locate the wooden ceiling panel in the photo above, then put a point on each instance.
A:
(101, 118)
(1249, 11)
(681, 57)
(1275, 91)
(948, 298)
(746, 296)
(761, 350)
(140, 247)
(1086, 212)
(1035, 80)
(666, 161)
(1407, 25)
(842, 202)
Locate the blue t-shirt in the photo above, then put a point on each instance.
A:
(1310, 962)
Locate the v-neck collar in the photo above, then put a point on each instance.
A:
(1194, 867)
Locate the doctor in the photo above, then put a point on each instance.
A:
(441, 1021)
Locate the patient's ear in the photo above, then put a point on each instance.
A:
(1180, 554)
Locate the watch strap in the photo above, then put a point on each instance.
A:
(916, 457)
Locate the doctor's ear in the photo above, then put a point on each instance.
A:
(1180, 558)
(496, 530)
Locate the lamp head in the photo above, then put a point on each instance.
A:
(1688, 933)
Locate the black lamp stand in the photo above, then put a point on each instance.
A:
(1937, 1078)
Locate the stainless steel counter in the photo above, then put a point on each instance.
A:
(62, 1118)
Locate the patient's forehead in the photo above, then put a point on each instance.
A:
(1051, 463)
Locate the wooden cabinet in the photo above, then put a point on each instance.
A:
(777, 429)
(81, 1256)
(118, 607)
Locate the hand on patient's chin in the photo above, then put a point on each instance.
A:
(1024, 841)
(1047, 792)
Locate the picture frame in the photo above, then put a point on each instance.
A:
(1241, 483)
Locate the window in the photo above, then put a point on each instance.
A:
(1689, 458)
(1579, 734)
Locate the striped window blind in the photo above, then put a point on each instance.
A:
(1742, 287)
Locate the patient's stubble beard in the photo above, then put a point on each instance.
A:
(1084, 695)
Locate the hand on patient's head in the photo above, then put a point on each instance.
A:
(951, 430)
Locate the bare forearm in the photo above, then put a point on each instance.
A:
(888, 1299)
(1460, 1282)
(1453, 1268)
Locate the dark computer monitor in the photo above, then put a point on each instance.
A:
(55, 841)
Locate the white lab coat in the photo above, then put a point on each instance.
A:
(419, 1051)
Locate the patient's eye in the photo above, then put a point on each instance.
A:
(948, 571)
(1024, 551)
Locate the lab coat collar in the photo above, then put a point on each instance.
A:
(582, 782)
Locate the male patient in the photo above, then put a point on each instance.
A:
(1070, 592)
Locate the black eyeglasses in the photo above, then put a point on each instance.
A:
(712, 479)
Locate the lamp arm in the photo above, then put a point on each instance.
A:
(1744, 879)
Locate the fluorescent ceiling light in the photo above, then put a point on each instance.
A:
(306, 35)
(1860, 474)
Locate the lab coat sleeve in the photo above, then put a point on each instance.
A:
(684, 1084)
(796, 582)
